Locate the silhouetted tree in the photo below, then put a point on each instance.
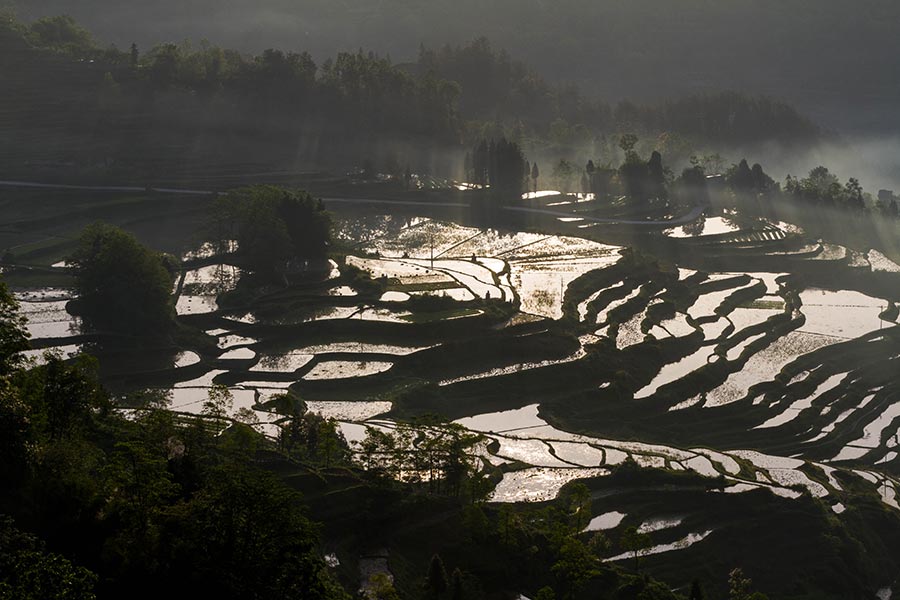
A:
(122, 286)
(13, 332)
(480, 163)
(436, 580)
(28, 571)
(545, 593)
(634, 542)
(245, 533)
(740, 177)
(691, 187)
(634, 172)
(65, 396)
(854, 195)
(457, 592)
(627, 143)
(274, 225)
(500, 164)
(656, 177)
(741, 587)
(562, 176)
(762, 183)
(574, 566)
(381, 587)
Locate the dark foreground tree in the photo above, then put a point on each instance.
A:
(64, 397)
(122, 286)
(436, 582)
(635, 542)
(143, 502)
(741, 587)
(244, 536)
(575, 566)
(457, 586)
(28, 571)
(13, 335)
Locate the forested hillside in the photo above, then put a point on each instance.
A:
(72, 99)
(817, 54)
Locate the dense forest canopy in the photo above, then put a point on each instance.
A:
(148, 110)
(143, 502)
(806, 51)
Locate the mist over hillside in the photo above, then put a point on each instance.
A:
(837, 61)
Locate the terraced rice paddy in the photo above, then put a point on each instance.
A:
(573, 358)
(46, 313)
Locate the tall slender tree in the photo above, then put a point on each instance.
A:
(436, 581)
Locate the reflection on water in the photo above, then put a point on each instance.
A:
(844, 313)
(765, 365)
(284, 363)
(659, 524)
(186, 359)
(704, 226)
(45, 310)
(606, 521)
(37, 356)
(537, 270)
(538, 485)
(685, 542)
(196, 305)
(338, 369)
(348, 411)
(504, 421)
(674, 371)
(239, 354)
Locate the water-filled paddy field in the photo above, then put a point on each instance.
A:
(571, 356)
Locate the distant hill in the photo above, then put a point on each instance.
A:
(71, 99)
(838, 61)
